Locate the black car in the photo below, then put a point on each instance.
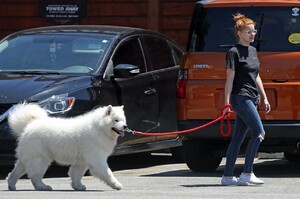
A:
(70, 70)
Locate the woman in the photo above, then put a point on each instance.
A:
(243, 89)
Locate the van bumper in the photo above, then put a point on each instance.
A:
(273, 129)
(281, 136)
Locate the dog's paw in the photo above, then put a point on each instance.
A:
(78, 187)
(11, 188)
(43, 188)
(117, 186)
(11, 185)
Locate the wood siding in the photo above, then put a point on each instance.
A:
(170, 17)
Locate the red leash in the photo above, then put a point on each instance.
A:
(221, 118)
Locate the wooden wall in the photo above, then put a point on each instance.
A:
(170, 17)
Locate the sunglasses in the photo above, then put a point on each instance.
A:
(249, 32)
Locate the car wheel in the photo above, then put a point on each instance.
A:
(201, 156)
(292, 157)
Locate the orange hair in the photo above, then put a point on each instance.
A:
(241, 21)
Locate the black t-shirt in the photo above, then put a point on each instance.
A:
(244, 61)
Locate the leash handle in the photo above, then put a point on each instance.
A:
(225, 116)
(227, 112)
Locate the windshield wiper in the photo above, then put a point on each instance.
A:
(32, 72)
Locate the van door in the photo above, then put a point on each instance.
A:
(278, 45)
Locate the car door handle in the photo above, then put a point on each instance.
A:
(150, 91)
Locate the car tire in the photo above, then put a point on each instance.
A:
(292, 157)
(201, 156)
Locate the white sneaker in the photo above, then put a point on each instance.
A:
(229, 180)
(246, 179)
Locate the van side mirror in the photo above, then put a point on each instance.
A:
(126, 70)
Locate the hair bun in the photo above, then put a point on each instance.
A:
(241, 21)
(238, 16)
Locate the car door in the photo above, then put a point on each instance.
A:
(138, 93)
(164, 59)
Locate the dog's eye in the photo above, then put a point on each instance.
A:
(116, 120)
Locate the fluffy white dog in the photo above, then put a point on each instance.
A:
(84, 142)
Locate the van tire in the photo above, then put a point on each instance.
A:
(201, 156)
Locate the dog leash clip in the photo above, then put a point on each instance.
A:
(128, 130)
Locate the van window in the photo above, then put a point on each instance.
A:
(278, 28)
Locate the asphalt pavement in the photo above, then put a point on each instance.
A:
(158, 176)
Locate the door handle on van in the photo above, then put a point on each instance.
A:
(280, 78)
(150, 91)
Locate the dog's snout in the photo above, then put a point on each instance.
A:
(125, 126)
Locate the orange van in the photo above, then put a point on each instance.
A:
(200, 89)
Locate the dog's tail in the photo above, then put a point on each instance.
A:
(22, 115)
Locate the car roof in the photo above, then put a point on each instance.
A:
(105, 29)
(245, 3)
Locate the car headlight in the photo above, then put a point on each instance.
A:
(57, 104)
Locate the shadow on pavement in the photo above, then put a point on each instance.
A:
(273, 168)
(116, 163)
(268, 168)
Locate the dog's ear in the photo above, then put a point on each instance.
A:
(108, 110)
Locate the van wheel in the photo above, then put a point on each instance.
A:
(292, 157)
(201, 156)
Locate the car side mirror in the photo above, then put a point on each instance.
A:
(126, 70)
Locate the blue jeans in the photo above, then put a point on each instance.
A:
(247, 117)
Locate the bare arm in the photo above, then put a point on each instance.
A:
(263, 94)
(228, 86)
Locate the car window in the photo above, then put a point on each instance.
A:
(160, 52)
(177, 53)
(130, 52)
(71, 53)
(212, 28)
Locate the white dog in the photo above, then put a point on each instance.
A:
(84, 142)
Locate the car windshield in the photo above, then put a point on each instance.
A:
(54, 53)
(278, 28)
